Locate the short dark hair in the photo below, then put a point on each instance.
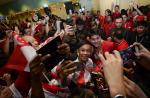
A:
(118, 17)
(79, 21)
(141, 23)
(83, 42)
(93, 32)
(123, 11)
(124, 14)
(109, 11)
(98, 11)
(76, 12)
(117, 6)
(118, 34)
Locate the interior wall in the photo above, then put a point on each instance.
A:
(106, 4)
(96, 5)
(125, 3)
(23, 5)
(86, 3)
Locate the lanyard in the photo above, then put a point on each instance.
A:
(140, 40)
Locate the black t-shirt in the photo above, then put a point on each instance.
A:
(142, 78)
(143, 39)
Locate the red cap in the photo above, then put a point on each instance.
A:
(140, 18)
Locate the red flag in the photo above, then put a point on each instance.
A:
(52, 88)
(21, 56)
(83, 78)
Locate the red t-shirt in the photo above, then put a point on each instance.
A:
(128, 25)
(37, 37)
(116, 14)
(107, 46)
(37, 34)
(123, 45)
(148, 16)
(88, 21)
(107, 27)
(140, 18)
(101, 20)
(75, 18)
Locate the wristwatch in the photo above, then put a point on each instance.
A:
(119, 96)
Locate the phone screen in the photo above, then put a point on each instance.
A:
(79, 66)
(51, 48)
(128, 54)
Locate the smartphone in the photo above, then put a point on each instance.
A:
(79, 66)
(128, 54)
(51, 48)
(69, 21)
(73, 87)
(100, 87)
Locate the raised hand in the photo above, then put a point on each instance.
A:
(144, 55)
(113, 72)
(66, 68)
(133, 90)
(36, 65)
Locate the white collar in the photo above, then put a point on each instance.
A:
(89, 62)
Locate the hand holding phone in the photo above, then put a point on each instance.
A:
(79, 66)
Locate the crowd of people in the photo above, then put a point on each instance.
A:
(98, 57)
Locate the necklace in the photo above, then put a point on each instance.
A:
(140, 40)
